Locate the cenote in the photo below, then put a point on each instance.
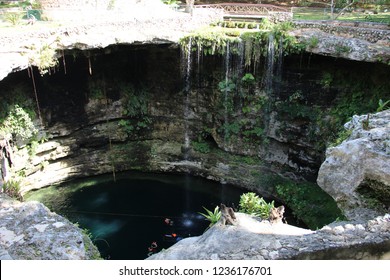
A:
(255, 114)
(125, 216)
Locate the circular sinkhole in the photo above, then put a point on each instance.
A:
(137, 214)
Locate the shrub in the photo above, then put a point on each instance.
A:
(201, 147)
(252, 204)
(13, 18)
(19, 123)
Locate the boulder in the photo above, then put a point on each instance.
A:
(360, 167)
(252, 239)
(29, 231)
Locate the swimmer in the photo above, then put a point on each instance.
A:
(154, 245)
(168, 221)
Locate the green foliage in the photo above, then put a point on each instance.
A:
(212, 217)
(174, 3)
(33, 148)
(211, 40)
(383, 105)
(340, 48)
(127, 126)
(43, 57)
(326, 80)
(309, 203)
(19, 123)
(96, 94)
(257, 131)
(13, 18)
(89, 242)
(201, 146)
(342, 135)
(375, 195)
(12, 189)
(111, 5)
(313, 42)
(252, 204)
(136, 108)
(227, 86)
(248, 79)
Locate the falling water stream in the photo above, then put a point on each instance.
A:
(186, 69)
(270, 63)
(226, 95)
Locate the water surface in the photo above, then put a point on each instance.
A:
(126, 216)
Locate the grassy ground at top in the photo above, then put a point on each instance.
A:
(324, 14)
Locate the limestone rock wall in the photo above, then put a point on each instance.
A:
(362, 160)
(82, 110)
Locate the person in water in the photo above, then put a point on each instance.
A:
(152, 248)
(168, 221)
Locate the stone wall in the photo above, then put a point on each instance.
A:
(374, 33)
(280, 16)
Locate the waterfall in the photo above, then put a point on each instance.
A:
(270, 63)
(241, 59)
(226, 95)
(186, 73)
(280, 63)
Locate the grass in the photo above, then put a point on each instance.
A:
(324, 14)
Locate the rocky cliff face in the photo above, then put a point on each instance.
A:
(124, 108)
(356, 173)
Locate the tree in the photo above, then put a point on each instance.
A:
(345, 6)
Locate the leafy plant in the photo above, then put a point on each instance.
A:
(201, 146)
(13, 18)
(342, 135)
(248, 79)
(383, 105)
(313, 42)
(12, 188)
(252, 204)
(226, 86)
(136, 108)
(19, 123)
(212, 217)
(44, 58)
(308, 202)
